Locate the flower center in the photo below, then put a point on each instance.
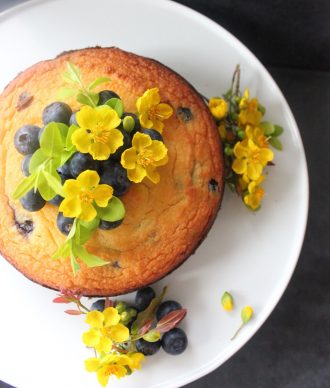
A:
(86, 196)
(145, 158)
(255, 156)
(100, 134)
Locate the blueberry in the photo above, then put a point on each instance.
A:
(56, 200)
(81, 162)
(116, 176)
(143, 298)
(73, 119)
(174, 341)
(58, 112)
(40, 133)
(32, 201)
(127, 143)
(26, 139)
(64, 224)
(155, 135)
(107, 225)
(105, 95)
(167, 307)
(25, 165)
(65, 169)
(137, 125)
(98, 305)
(147, 348)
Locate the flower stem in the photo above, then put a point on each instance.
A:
(238, 330)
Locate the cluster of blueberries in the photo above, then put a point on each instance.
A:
(173, 342)
(27, 141)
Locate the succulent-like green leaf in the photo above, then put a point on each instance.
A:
(113, 212)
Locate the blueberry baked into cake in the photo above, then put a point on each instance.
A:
(111, 171)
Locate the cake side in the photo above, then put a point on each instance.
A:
(164, 223)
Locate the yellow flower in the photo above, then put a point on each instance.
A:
(218, 107)
(143, 158)
(107, 366)
(257, 135)
(151, 111)
(250, 159)
(105, 328)
(135, 360)
(81, 193)
(97, 134)
(255, 194)
(249, 112)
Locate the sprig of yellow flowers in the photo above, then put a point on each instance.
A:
(246, 140)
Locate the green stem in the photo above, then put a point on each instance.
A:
(238, 330)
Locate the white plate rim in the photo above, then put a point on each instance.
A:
(215, 363)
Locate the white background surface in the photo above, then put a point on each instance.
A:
(250, 255)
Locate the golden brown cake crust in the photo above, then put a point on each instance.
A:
(164, 223)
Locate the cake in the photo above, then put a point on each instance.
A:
(164, 223)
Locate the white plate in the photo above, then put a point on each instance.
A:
(251, 255)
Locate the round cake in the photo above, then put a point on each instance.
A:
(164, 222)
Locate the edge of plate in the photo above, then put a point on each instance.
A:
(278, 293)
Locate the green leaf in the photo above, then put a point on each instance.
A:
(276, 143)
(128, 124)
(90, 99)
(147, 314)
(44, 189)
(37, 159)
(115, 210)
(26, 185)
(262, 109)
(278, 131)
(73, 74)
(73, 230)
(54, 182)
(152, 336)
(85, 230)
(89, 259)
(65, 93)
(97, 82)
(117, 105)
(74, 263)
(52, 140)
(268, 127)
(68, 141)
(63, 251)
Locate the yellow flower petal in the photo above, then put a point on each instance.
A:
(239, 166)
(266, 155)
(158, 149)
(158, 126)
(71, 188)
(141, 141)
(128, 158)
(108, 116)
(115, 140)
(91, 338)
(95, 319)
(161, 162)
(145, 121)
(103, 376)
(88, 212)
(119, 333)
(88, 179)
(99, 151)
(87, 117)
(239, 150)
(92, 364)
(111, 316)
(70, 207)
(104, 345)
(164, 111)
(254, 170)
(135, 360)
(81, 139)
(102, 195)
(137, 174)
(152, 174)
